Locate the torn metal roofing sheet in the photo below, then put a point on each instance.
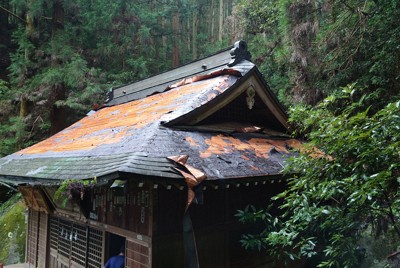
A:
(161, 82)
(135, 134)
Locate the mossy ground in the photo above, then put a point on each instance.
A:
(12, 230)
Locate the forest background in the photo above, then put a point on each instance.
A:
(333, 64)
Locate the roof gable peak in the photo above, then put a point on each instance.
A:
(242, 101)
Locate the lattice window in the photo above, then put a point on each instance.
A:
(53, 232)
(81, 244)
(64, 238)
(95, 248)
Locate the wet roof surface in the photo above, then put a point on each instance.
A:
(131, 137)
(115, 129)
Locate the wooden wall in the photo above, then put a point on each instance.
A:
(35, 200)
(65, 238)
(138, 254)
(36, 253)
(217, 230)
(128, 208)
(150, 220)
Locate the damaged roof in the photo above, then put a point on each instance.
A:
(217, 111)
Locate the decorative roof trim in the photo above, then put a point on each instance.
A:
(239, 52)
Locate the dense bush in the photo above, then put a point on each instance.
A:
(343, 194)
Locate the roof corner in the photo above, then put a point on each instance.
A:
(239, 52)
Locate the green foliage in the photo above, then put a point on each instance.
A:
(307, 49)
(13, 135)
(21, 64)
(361, 45)
(73, 190)
(251, 214)
(264, 24)
(259, 16)
(345, 190)
(4, 89)
(12, 231)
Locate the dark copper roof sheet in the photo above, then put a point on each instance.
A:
(159, 83)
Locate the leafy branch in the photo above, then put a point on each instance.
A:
(73, 190)
(12, 14)
(333, 203)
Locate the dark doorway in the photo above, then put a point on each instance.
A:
(114, 244)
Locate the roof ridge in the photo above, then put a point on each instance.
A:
(177, 67)
(228, 57)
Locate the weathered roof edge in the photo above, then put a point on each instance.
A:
(270, 92)
(144, 84)
(177, 67)
(159, 82)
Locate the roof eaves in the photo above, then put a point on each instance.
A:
(20, 180)
(55, 169)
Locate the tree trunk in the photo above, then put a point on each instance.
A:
(29, 26)
(23, 106)
(30, 34)
(303, 34)
(175, 49)
(212, 18)
(58, 16)
(58, 114)
(4, 18)
(163, 36)
(194, 33)
(162, 48)
(221, 19)
(5, 39)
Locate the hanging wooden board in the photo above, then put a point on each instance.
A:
(34, 198)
